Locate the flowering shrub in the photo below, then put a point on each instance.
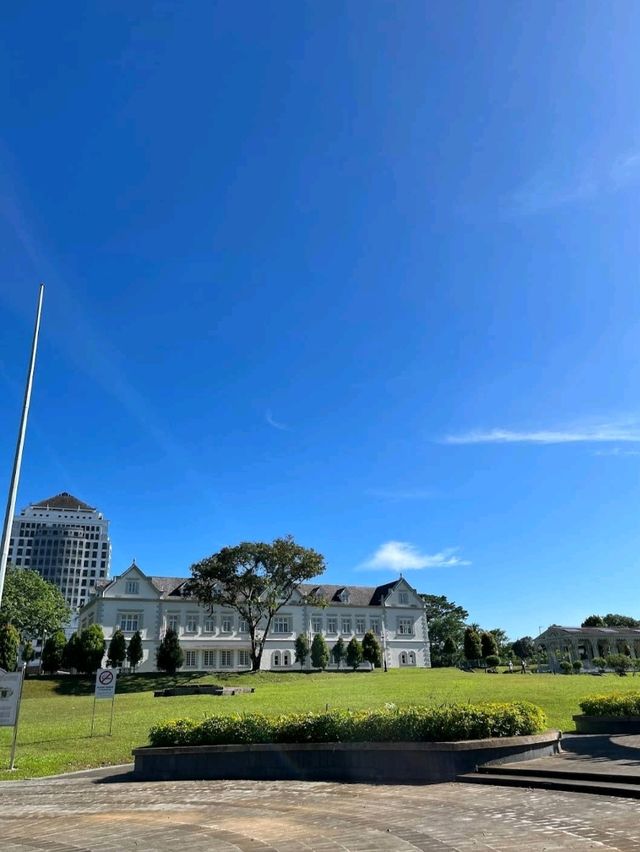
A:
(409, 724)
(612, 704)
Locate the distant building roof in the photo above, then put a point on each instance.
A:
(583, 631)
(358, 595)
(64, 500)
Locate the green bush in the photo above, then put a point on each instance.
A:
(612, 704)
(566, 667)
(577, 666)
(620, 663)
(411, 724)
(492, 661)
(600, 663)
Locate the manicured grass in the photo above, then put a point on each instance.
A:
(56, 713)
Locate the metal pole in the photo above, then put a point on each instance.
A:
(113, 701)
(17, 461)
(93, 715)
(15, 727)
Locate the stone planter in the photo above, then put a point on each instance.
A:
(607, 724)
(385, 763)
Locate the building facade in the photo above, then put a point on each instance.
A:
(585, 643)
(219, 640)
(66, 541)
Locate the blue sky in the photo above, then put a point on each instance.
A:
(363, 272)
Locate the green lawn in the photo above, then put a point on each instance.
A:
(56, 713)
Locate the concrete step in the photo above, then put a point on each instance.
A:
(555, 771)
(629, 789)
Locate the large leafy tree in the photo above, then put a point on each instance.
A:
(92, 647)
(488, 644)
(35, 607)
(614, 619)
(256, 579)
(524, 648)
(593, 621)
(446, 620)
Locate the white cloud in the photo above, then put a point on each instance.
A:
(589, 434)
(274, 423)
(400, 556)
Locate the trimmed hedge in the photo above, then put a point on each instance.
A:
(411, 724)
(612, 704)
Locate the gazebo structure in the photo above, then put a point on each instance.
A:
(585, 643)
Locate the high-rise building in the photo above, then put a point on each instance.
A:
(66, 541)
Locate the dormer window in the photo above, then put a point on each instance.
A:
(343, 594)
(132, 587)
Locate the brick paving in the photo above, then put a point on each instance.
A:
(107, 812)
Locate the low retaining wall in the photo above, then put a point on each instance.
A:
(204, 689)
(386, 763)
(607, 724)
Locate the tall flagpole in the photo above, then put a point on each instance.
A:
(17, 461)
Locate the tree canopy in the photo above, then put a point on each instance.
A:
(472, 644)
(524, 648)
(611, 619)
(35, 607)
(256, 579)
(446, 621)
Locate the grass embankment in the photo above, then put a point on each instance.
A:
(56, 713)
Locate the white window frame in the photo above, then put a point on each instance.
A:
(375, 625)
(129, 622)
(243, 625)
(281, 624)
(405, 626)
(226, 658)
(226, 623)
(191, 659)
(209, 658)
(345, 625)
(361, 625)
(191, 622)
(403, 597)
(286, 658)
(332, 625)
(209, 624)
(244, 659)
(316, 624)
(173, 621)
(132, 587)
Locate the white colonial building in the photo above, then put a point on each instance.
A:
(219, 640)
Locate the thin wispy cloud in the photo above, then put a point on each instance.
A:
(617, 451)
(593, 434)
(400, 494)
(275, 424)
(549, 188)
(400, 556)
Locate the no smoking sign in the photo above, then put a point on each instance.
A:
(105, 683)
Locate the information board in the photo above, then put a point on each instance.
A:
(10, 683)
(105, 683)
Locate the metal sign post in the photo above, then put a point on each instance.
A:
(10, 698)
(105, 688)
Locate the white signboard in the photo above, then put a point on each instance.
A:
(10, 683)
(105, 683)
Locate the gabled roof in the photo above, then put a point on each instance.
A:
(64, 500)
(583, 631)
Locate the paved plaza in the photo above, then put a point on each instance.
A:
(108, 812)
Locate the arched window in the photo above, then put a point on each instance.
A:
(275, 659)
(403, 658)
(286, 659)
(412, 658)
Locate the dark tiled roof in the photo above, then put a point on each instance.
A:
(358, 595)
(64, 500)
(167, 585)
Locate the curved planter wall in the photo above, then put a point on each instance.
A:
(386, 763)
(607, 724)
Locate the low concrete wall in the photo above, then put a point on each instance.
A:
(204, 689)
(607, 724)
(385, 763)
